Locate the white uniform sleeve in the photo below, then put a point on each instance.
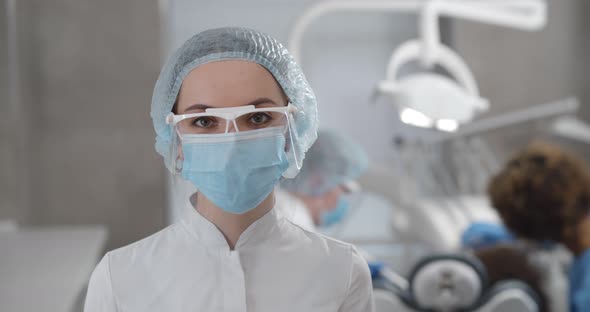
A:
(100, 297)
(360, 291)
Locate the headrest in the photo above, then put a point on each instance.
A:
(510, 295)
(451, 282)
(447, 283)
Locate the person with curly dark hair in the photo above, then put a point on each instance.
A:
(494, 258)
(543, 193)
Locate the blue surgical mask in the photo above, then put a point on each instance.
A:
(328, 218)
(237, 170)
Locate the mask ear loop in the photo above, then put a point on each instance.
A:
(178, 165)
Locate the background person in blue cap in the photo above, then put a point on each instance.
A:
(233, 114)
(324, 187)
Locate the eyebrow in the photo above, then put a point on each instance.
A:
(256, 102)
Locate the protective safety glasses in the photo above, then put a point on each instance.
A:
(217, 125)
(233, 119)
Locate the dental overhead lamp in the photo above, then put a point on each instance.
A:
(428, 99)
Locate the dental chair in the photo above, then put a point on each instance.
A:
(454, 283)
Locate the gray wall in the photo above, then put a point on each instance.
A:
(14, 153)
(88, 72)
(517, 69)
(7, 204)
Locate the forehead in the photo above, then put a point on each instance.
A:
(228, 83)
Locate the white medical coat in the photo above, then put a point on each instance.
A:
(276, 266)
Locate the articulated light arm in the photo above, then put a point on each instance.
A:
(528, 15)
(323, 8)
(520, 14)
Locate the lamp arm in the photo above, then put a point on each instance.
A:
(527, 15)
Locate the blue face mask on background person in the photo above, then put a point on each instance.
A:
(328, 218)
(237, 170)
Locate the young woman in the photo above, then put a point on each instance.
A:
(233, 113)
(543, 194)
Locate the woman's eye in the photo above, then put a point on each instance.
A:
(259, 118)
(204, 122)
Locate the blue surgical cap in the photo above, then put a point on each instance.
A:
(333, 160)
(234, 43)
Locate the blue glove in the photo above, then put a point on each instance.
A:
(375, 268)
(481, 235)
